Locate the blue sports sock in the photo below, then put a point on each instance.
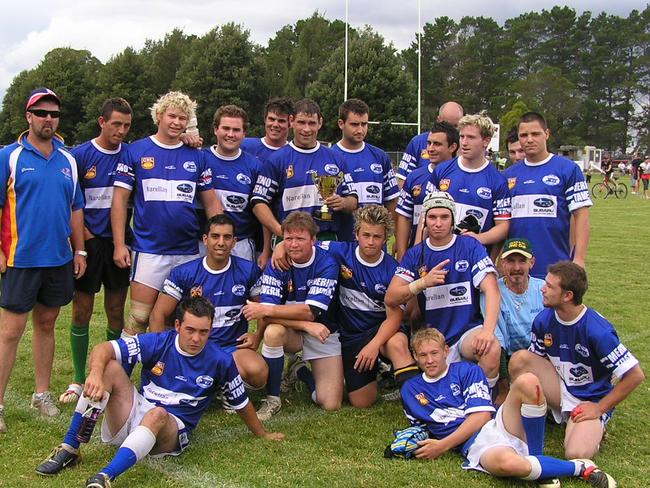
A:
(550, 467)
(124, 459)
(533, 418)
(276, 365)
(305, 375)
(71, 436)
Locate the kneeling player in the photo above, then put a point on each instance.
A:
(181, 372)
(227, 281)
(453, 403)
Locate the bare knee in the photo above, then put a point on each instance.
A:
(528, 385)
(155, 418)
(580, 450)
(330, 404)
(362, 401)
(508, 464)
(274, 335)
(519, 363)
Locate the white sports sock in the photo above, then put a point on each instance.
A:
(140, 441)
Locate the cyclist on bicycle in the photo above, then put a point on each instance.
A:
(608, 167)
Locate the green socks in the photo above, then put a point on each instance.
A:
(112, 335)
(79, 344)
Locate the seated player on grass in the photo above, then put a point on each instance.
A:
(453, 403)
(575, 352)
(181, 372)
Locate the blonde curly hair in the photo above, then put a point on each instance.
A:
(174, 99)
(374, 215)
(480, 120)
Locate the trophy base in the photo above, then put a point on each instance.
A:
(324, 216)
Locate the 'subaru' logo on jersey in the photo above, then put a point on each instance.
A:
(147, 162)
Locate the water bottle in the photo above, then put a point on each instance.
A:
(89, 421)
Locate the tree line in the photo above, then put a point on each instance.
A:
(590, 76)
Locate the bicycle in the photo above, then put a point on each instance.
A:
(614, 187)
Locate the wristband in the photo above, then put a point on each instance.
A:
(81, 253)
(417, 286)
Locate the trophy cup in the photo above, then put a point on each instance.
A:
(326, 185)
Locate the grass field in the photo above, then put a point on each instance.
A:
(344, 449)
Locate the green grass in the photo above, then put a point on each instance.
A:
(344, 449)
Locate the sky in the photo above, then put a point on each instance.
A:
(30, 29)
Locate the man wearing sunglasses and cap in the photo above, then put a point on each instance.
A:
(446, 272)
(42, 248)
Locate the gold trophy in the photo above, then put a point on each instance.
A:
(326, 185)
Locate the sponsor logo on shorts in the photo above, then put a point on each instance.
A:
(461, 266)
(204, 381)
(484, 192)
(551, 180)
(147, 162)
(239, 290)
(189, 166)
(376, 168)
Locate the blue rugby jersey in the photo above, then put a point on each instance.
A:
(164, 181)
(361, 292)
(227, 289)
(452, 308)
(312, 283)
(543, 196)
(37, 202)
(287, 177)
(442, 404)
(234, 179)
(417, 186)
(415, 156)
(96, 167)
(481, 192)
(586, 352)
(181, 383)
(258, 148)
(374, 180)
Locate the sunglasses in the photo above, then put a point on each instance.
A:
(40, 113)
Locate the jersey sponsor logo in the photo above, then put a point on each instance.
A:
(67, 173)
(461, 266)
(147, 162)
(189, 166)
(161, 190)
(232, 313)
(618, 352)
(373, 189)
(196, 291)
(476, 213)
(331, 168)
(424, 154)
(243, 179)
(185, 188)
(464, 190)
(379, 288)
(458, 291)
(529, 182)
(23, 170)
(578, 372)
(511, 183)
(346, 273)
(300, 198)
(239, 290)
(582, 350)
(548, 340)
(420, 397)
(484, 192)
(91, 173)
(290, 171)
(417, 189)
(358, 300)
(235, 199)
(445, 184)
(447, 415)
(376, 168)
(359, 170)
(98, 198)
(170, 166)
(543, 202)
(158, 369)
(551, 180)
(204, 381)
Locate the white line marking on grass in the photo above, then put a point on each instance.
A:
(189, 475)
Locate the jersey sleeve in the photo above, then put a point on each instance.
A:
(407, 269)
(320, 291)
(205, 173)
(78, 201)
(137, 349)
(347, 187)
(476, 391)
(125, 170)
(408, 162)
(613, 355)
(267, 184)
(233, 386)
(254, 289)
(405, 203)
(391, 189)
(577, 191)
(537, 336)
(271, 285)
(175, 284)
(4, 176)
(482, 264)
(502, 207)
